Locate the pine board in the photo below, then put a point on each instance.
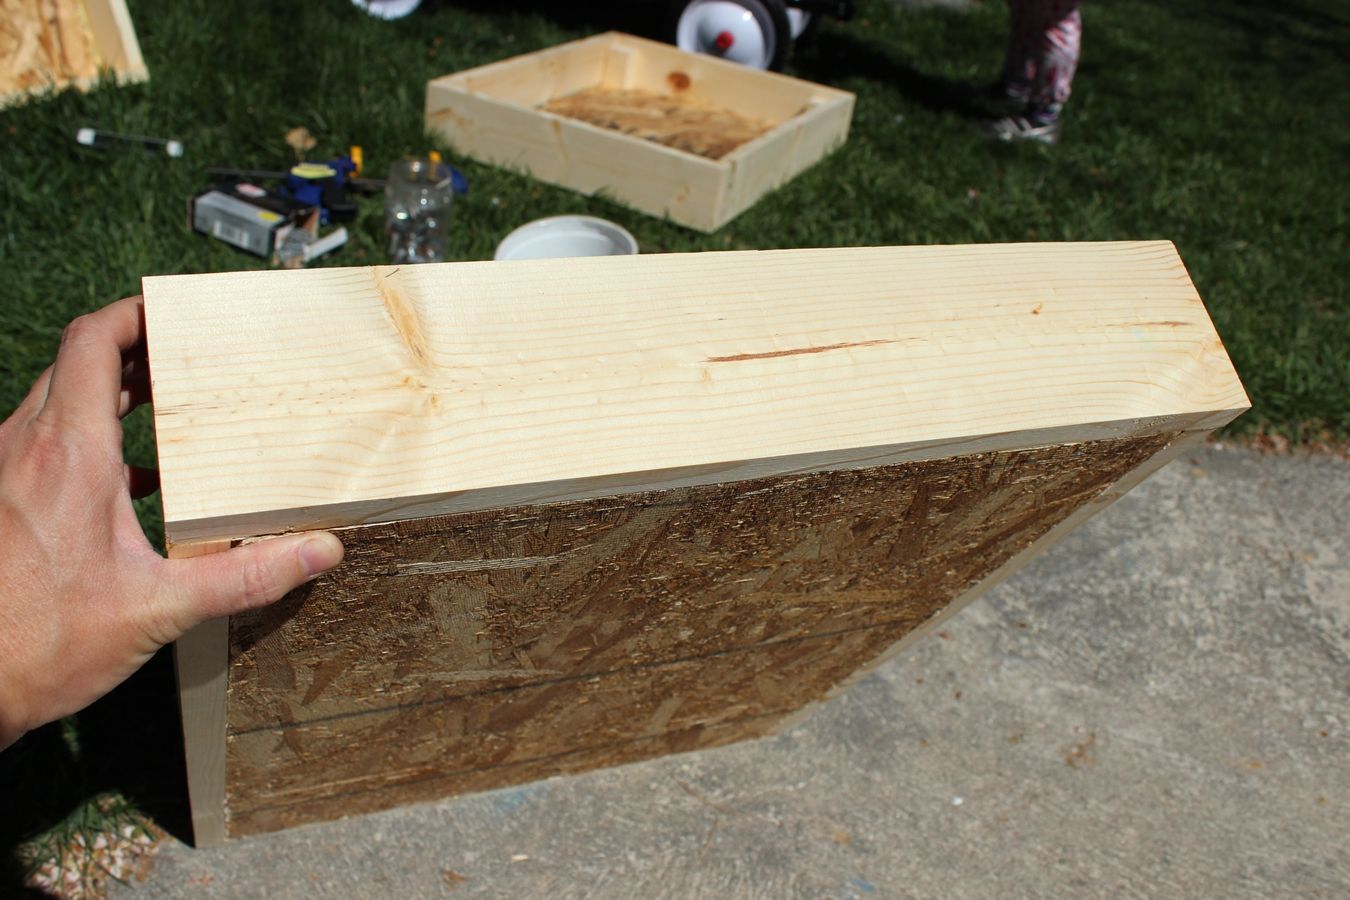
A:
(337, 397)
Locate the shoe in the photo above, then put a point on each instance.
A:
(1021, 128)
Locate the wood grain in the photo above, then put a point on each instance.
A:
(200, 658)
(390, 393)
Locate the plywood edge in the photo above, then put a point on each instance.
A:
(201, 659)
(116, 36)
(1184, 442)
(228, 528)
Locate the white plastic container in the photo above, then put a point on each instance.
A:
(563, 236)
(388, 9)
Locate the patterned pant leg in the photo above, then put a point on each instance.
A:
(1059, 54)
(1020, 61)
(1043, 45)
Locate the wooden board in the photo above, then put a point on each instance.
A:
(501, 113)
(599, 510)
(48, 44)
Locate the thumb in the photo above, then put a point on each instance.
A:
(249, 576)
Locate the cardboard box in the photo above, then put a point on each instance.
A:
(249, 217)
(492, 114)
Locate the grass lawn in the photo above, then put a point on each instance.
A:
(1220, 126)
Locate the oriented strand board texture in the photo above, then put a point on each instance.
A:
(52, 44)
(484, 649)
(44, 43)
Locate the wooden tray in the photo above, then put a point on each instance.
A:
(493, 114)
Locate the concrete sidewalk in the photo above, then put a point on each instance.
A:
(1159, 707)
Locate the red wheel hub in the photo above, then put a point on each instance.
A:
(724, 41)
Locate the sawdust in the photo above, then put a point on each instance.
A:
(44, 43)
(1082, 755)
(674, 121)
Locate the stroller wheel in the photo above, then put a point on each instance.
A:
(754, 33)
(800, 21)
(388, 9)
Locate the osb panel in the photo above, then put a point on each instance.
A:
(452, 783)
(364, 755)
(438, 608)
(446, 648)
(43, 44)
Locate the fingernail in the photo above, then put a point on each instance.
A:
(320, 553)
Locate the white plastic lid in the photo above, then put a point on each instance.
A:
(563, 236)
(388, 9)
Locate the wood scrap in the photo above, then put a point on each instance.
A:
(665, 119)
(45, 43)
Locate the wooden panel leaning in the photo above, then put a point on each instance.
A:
(599, 510)
(53, 44)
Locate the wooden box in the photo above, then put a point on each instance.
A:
(493, 114)
(598, 510)
(58, 43)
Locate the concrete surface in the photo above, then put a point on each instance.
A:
(1158, 708)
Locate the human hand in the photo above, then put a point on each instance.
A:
(84, 599)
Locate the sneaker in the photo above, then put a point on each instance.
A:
(1021, 128)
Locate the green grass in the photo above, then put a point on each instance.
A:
(1219, 126)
